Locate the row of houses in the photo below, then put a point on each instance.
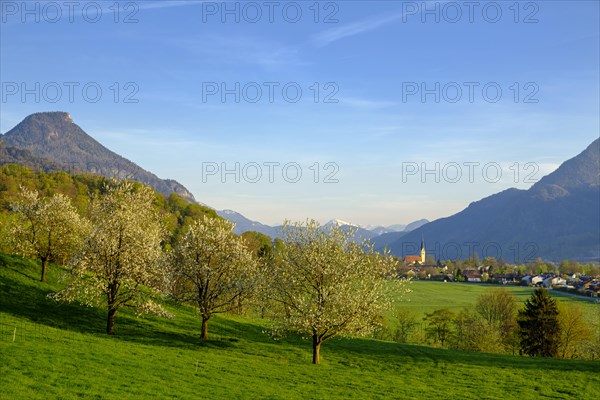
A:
(543, 280)
(552, 280)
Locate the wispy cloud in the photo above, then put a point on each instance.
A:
(150, 5)
(326, 37)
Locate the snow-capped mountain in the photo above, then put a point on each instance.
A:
(387, 234)
(339, 222)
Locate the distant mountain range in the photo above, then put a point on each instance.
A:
(243, 224)
(557, 218)
(385, 239)
(360, 234)
(52, 141)
(380, 230)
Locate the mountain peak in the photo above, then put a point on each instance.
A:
(50, 118)
(60, 115)
(583, 170)
(46, 128)
(339, 222)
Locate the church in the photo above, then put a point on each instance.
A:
(411, 260)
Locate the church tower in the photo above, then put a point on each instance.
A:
(423, 251)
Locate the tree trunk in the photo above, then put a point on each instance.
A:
(316, 350)
(44, 266)
(110, 321)
(204, 334)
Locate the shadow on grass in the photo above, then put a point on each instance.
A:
(24, 297)
(31, 303)
(401, 353)
(144, 331)
(223, 331)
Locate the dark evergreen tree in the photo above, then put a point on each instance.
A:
(539, 329)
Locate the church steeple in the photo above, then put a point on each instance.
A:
(423, 250)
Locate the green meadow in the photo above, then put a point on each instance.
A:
(50, 350)
(427, 296)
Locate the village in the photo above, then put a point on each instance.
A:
(568, 276)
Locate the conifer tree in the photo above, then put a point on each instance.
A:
(539, 328)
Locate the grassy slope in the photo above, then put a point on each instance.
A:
(60, 351)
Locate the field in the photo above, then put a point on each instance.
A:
(59, 351)
(427, 296)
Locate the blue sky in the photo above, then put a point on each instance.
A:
(367, 123)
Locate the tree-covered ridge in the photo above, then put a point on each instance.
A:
(175, 211)
(15, 155)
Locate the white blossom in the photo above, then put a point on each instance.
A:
(327, 285)
(122, 257)
(47, 228)
(212, 268)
